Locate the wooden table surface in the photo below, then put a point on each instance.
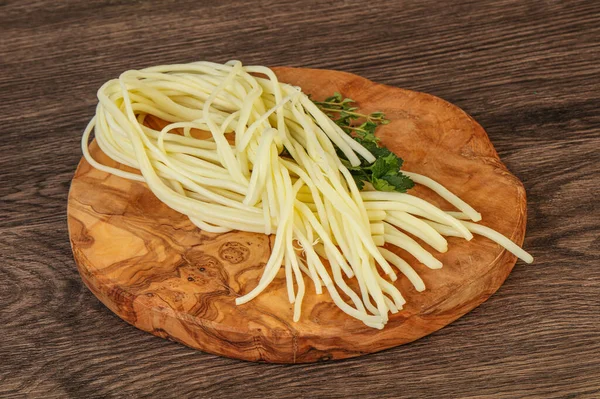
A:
(528, 71)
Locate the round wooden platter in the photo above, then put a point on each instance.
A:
(157, 271)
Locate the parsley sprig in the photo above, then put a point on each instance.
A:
(384, 174)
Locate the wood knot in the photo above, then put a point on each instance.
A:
(234, 252)
(203, 262)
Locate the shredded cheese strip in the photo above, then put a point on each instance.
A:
(235, 179)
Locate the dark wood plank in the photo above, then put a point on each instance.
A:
(527, 71)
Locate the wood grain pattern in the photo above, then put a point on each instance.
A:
(526, 71)
(154, 269)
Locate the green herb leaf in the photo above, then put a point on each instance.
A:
(384, 174)
(382, 185)
(400, 182)
(360, 181)
(378, 168)
(337, 97)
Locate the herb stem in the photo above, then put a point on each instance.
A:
(346, 112)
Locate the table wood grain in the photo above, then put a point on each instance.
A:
(528, 71)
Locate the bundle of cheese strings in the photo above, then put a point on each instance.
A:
(270, 165)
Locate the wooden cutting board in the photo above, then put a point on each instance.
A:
(157, 271)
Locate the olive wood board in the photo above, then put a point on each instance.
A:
(153, 268)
